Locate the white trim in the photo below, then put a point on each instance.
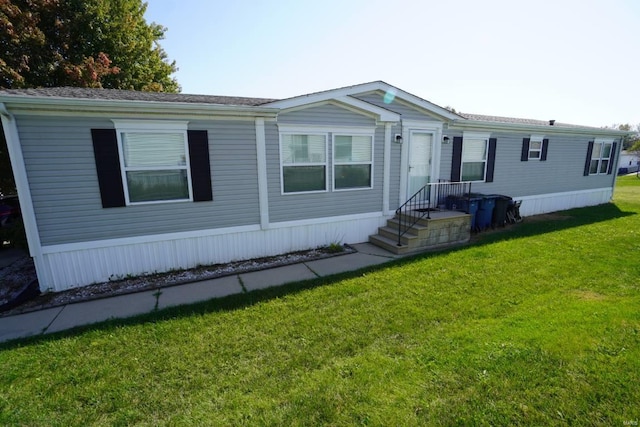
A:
(476, 135)
(364, 88)
(304, 131)
(61, 105)
(263, 188)
(149, 126)
(535, 138)
(479, 126)
(420, 126)
(386, 168)
(371, 162)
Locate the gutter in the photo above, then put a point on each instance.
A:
(486, 125)
(33, 104)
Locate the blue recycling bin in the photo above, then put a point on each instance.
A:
(466, 204)
(485, 212)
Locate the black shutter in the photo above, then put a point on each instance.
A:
(587, 163)
(491, 159)
(524, 156)
(105, 151)
(545, 147)
(200, 167)
(456, 159)
(613, 158)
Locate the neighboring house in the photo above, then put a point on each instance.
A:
(116, 182)
(629, 162)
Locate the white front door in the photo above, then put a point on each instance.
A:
(420, 149)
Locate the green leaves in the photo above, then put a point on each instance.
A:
(93, 43)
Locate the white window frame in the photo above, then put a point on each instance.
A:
(151, 126)
(367, 133)
(538, 139)
(475, 135)
(288, 130)
(603, 143)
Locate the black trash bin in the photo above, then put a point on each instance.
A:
(499, 218)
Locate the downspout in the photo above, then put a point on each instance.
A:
(24, 194)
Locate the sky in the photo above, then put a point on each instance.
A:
(575, 61)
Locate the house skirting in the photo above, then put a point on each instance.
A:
(67, 266)
(553, 202)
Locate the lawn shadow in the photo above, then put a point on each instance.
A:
(529, 227)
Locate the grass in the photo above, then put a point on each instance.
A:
(539, 325)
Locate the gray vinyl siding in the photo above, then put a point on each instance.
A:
(403, 109)
(561, 172)
(299, 206)
(61, 169)
(394, 184)
(327, 114)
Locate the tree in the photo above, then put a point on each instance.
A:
(88, 43)
(630, 139)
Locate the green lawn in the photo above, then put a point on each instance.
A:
(539, 325)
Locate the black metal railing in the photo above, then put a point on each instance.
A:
(431, 197)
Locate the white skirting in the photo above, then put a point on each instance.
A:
(544, 203)
(78, 264)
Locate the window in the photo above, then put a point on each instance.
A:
(535, 149)
(154, 161)
(600, 157)
(304, 162)
(352, 161)
(474, 158)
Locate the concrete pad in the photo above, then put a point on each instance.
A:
(371, 249)
(341, 264)
(27, 324)
(89, 312)
(276, 276)
(190, 293)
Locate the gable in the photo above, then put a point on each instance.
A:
(326, 113)
(398, 105)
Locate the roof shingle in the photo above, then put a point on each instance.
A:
(130, 95)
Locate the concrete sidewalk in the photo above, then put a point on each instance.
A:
(85, 313)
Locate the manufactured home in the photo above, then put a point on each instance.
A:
(115, 183)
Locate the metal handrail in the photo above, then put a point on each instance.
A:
(427, 199)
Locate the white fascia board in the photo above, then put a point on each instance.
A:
(26, 104)
(479, 126)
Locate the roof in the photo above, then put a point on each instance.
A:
(136, 99)
(519, 121)
(131, 95)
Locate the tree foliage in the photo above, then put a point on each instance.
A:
(87, 43)
(630, 140)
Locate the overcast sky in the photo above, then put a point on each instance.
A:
(575, 61)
